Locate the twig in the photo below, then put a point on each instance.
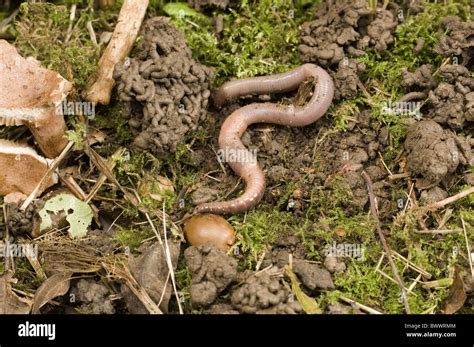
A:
(141, 293)
(7, 20)
(169, 262)
(409, 198)
(72, 17)
(8, 263)
(219, 161)
(180, 196)
(103, 178)
(447, 215)
(398, 176)
(359, 305)
(91, 31)
(467, 246)
(384, 242)
(46, 176)
(439, 232)
(76, 189)
(35, 264)
(412, 265)
(239, 181)
(102, 166)
(385, 165)
(451, 199)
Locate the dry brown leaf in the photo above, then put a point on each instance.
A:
(457, 294)
(96, 136)
(151, 272)
(10, 303)
(54, 286)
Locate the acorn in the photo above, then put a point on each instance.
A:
(209, 229)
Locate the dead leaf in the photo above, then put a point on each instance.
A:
(151, 273)
(156, 187)
(457, 294)
(308, 304)
(54, 286)
(96, 136)
(10, 303)
(340, 231)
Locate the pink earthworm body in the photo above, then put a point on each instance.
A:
(237, 123)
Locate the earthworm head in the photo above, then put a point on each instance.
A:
(219, 98)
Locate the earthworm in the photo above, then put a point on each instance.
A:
(236, 124)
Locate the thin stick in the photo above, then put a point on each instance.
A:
(9, 264)
(384, 242)
(439, 232)
(359, 305)
(409, 198)
(102, 166)
(7, 20)
(46, 176)
(385, 165)
(141, 293)
(169, 262)
(76, 189)
(467, 245)
(451, 199)
(103, 178)
(36, 266)
(91, 31)
(219, 161)
(412, 265)
(398, 176)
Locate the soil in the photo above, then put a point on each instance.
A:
(264, 294)
(313, 174)
(211, 270)
(333, 264)
(94, 297)
(459, 41)
(344, 29)
(435, 153)
(453, 99)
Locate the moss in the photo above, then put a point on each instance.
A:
(258, 229)
(383, 69)
(28, 281)
(44, 31)
(77, 134)
(386, 66)
(345, 111)
(183, 283)
(112, 119)
(259, 37)
(131, 239)
(363, 284)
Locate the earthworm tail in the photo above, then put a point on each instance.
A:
(236, 124)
